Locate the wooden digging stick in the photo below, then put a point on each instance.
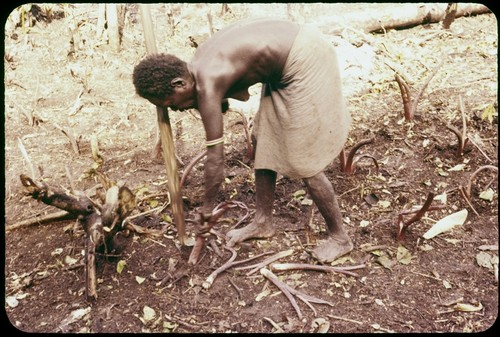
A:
(167, 140)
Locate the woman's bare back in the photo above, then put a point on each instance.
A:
(245, 53)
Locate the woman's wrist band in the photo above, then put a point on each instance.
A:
(210, 143)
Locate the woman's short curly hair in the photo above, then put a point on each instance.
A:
(152, 76)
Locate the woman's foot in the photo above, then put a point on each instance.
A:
(252, 231)
(332, 249)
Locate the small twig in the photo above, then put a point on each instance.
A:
(282, 286)
(57, 216)
(238, 290)
(345, 319)
(273, 323)
(372, 248)
(243, 218)
(181, 322)
(349, 191)
(77, 105)
(157, 242)
(396, 68)
(127, 223)
(464, 195)
(235, 263)
(415, 210)
(305, 266)
(464, 123)
(289, 291)
(210, 24)
(211, 278)
(480, 150)
(216, 249)
(425, 275)
(264, 263)
(153, 210)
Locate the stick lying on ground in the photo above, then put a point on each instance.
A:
(289, 292)
(57, 216)
(305, 266)
(264, 263)
(229, 264)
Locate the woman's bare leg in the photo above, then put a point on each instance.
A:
(323, 195)
(262, 225)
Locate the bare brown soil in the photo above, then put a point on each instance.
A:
(412, 285)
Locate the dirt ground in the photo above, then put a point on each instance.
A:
(445, 284)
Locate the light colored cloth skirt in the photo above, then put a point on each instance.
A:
(302, 122)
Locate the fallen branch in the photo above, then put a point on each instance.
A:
(210, 279)
(250, 259)
(57, 216)
(264, 263)
(304, 266)
(229, 264)
(289, 292)
(90, 267)
(80, 206)
(369, 19)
